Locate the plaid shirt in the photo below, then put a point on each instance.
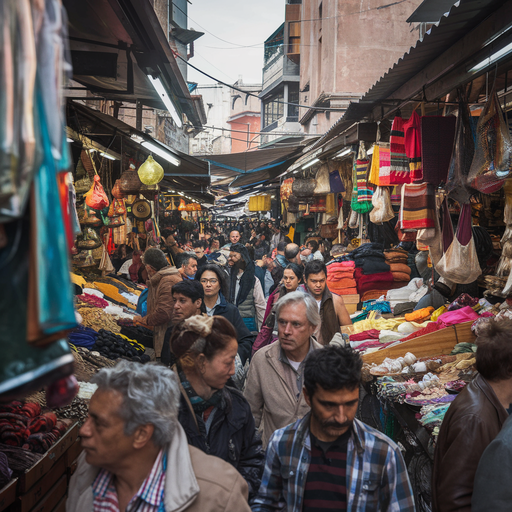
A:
(149, 498)
(377, 477)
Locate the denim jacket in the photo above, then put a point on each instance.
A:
(377, 477)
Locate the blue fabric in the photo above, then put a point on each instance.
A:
(142, 303)
(250, 323)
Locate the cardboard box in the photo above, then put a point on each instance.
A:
(8, 494)
(39, 470)
(74, 452)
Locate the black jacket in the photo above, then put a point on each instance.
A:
(245, 338)
(232, 435)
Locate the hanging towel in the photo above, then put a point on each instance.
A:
(373, 178)
(384, 166)
(418, 206)
(398, 158)
(412, 142)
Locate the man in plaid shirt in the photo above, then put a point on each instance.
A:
(328, 460)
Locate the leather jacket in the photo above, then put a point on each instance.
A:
(473, 420)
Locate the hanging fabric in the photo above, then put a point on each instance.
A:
(418, 206)
(373, 178)
(323, 185)
(412, 143)
(384, 165)
(399, 166)
(362, 196)
(382, 209)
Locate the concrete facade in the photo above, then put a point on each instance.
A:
(228, 109)
(346, 46)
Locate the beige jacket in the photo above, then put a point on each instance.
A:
(271, 397)
(161, 304)
(194, 482)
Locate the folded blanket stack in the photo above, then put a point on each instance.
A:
(397, 260)
(340, 278)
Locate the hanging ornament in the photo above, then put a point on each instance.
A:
(151, 172)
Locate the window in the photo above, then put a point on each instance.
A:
(293, 97)
(294, 37)
(273, 109)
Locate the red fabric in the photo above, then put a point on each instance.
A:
(343, 265)
(64, 204)
(379, 281)
(399, 173)
(365, 335)
(412, 142)
(431, 327)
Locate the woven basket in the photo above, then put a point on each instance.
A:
(130, 183)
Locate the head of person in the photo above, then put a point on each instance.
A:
(207, 347)
(234, 236)
(291, 253)
(122, 251)
(262, 225)
(494, 350)
(292, 277)
(214, 244)
(188, 264)
(198, 246)
(134, 409)
(315, 274)
(213, 279)
(297, 319)
(281, 246)
(253, 232)
(154, 261)
(332, 377)
(268, 262)
(312, 245)
(262, 237)
(188, 300)
(236, 256)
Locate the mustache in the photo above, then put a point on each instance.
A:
(336, 425)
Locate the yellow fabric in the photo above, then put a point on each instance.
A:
(78, 280)
(291, 233)
(436, 314)
(110, 291)
(374, 169)
(390, 324)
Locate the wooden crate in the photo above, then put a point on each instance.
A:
(34, 495)
(61, 506)
(432, 344)
(54, 496)
(39, 470)
(8, 494)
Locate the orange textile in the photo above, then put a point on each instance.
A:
(340, 276)
(419, 316)
(400, 267)
(342, 291)
(401, 277)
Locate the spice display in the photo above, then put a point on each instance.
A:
(97, 319)
(93, 300)
(113, 347)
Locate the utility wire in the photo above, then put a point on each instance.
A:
(309, 107)
(266, 133)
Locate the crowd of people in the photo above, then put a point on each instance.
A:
(247, 377)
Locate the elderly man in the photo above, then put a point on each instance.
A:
(473, 420)
(160, 303)
(234, 238)
(188, 265)
(275, 379)
(329, 460)
(332, 310)
(136, 455)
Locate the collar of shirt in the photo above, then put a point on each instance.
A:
(284, 359)
(209, 311)
(147, 499)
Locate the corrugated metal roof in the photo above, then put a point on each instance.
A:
(430, 11)
(463, 17)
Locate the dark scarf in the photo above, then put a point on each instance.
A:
(200, 404)
(246, 281)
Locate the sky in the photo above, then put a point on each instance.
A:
(229, 25)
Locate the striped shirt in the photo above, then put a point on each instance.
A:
(326, 484)
(149, 498)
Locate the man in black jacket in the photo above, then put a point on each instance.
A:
(214, 282)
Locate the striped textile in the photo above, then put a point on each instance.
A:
(418, 206)
(412, 142)
(149, 498)
(399, 164)
(396, 195)
(363, 192)
(373, 178)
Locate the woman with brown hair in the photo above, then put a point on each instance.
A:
(216, 418)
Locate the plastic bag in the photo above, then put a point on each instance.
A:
(460, 261)
(491, 161)
(382, 209)
(96, 197)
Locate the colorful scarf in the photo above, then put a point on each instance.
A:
(373, 178)
(362, 195)
(200, 404)
(418, 206)
(412, 142)
(384, 166)
(398, 159)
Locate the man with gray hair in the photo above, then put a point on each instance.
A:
(275, 379)
(188, 262)
(136, 455)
